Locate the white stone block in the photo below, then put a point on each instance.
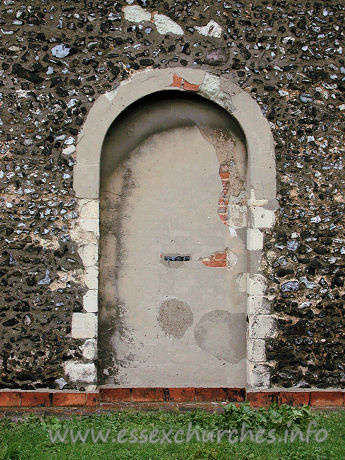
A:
(81, 372)
(89, 349)
(136, 13)
(258, 375)
(258, 305)
(89, 254)
(256, 350)
(90, 225)
(255, 239)
(261, 217)
(84, 325)
(256, 285)
(212, 29)
(210, 85)
(88, 209)
(165, 25)
(90, 301)
(261, 326)
(91, 277)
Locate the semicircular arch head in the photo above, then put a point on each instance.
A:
(221, 90)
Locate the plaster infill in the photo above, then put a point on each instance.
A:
(256, 216)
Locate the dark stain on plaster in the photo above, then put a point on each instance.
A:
(160, 112)
(175, 317)
(111, 307)
(222, 335)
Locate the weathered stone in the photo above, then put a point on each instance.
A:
(84, 325)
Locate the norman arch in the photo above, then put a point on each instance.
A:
(250, 217)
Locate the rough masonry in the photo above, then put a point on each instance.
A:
(57, 58)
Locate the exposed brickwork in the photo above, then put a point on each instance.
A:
(294, 398)
(216, 260)
(69, 399)
(325, 399)
(224, 198)
(107, 397)
(190, 86)
(179, 82)
(34, 399)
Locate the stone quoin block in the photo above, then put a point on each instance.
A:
(256, 350)
(91, 277)
(90, 225)
(255, 239)
(258, 305)
(88, 209)
(256, 285)
(261, 326)
(81, 372)
(84, 325)
(258, 375)
(89, 254)
(89, 349)
(261, 217)
(90, 301)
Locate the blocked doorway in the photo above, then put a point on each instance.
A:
(172, 293)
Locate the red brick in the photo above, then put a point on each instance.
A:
(326, 398)
(236, 394)
(262, 399)
(190, 86)
(148, 394)
(211, 394)
(181, 394)
(220, 255)
(224, 175)
(92, 399)
(35, 399)
(177, 81)
(214, 263)
(69, 399)
(294, 398)
(9, 399)
(115, 394)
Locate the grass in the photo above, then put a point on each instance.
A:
(29, 437)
